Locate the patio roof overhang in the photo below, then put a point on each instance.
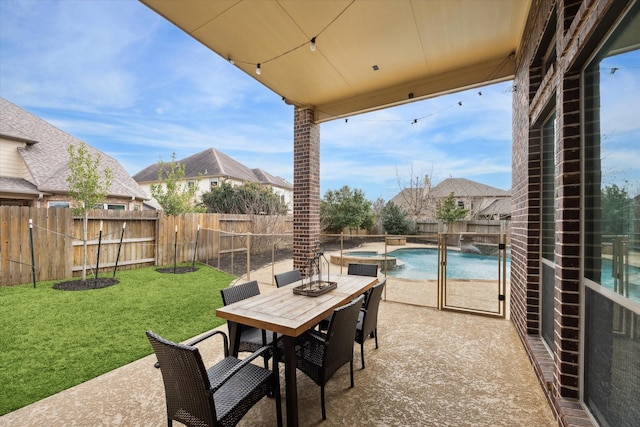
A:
(369, 54)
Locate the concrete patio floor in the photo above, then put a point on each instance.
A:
(433, 368)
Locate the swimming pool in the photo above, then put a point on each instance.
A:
(606, 279)
(422, 264)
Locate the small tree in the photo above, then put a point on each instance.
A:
(394, 219)
(416, 193)
(175, 196)
(248, 198)
(88, 186)
(617, 210)
(449, 211)
(221, 199)
(255, 199)
(378, 209)
(345, 208)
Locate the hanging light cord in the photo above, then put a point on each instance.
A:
(236, 61)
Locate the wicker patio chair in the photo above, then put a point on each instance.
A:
(367, 325)
(359, 270)
(363, 269)
(320, 355)
(218, 396)
(251, 339)
(287, 278)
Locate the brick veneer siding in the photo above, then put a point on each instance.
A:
(306, 186)
(579, 27)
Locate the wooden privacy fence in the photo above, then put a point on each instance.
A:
(149, 238)
(51, 246)
(57, 251)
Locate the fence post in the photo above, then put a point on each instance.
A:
(233, 247)
(249, 256)
(175, 249)
(219, 241)
(273, 258)
(115, 267)
(98, 256)
(341, 247)
(33, 257)
(195, 250)
(385, 263)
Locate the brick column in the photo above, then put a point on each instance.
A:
(568, 239)
(306, 186)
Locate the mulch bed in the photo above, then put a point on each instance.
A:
(240, 265)
(84, 285)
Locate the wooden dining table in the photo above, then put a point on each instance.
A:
(289, 314)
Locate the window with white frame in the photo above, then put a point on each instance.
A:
(58, 204)
(115, 206)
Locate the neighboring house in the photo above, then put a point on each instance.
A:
(210, 168)
(34, 161)
(482, 201)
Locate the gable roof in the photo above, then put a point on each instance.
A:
(406, 195)
(499, 207)
(463, 187)
(212, 162)
(46, 154)
(266, 178)
(460, 187)
(17, 186)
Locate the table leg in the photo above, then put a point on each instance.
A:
(290, 380)
(234, 338)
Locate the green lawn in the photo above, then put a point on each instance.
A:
(51, 340)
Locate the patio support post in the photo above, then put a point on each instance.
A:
(306, 186)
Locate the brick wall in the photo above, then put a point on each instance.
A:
(576, 27)
(568, 250)
(306, 186)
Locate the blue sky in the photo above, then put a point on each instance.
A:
(118, 76)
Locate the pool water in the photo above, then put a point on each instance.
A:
(634, 279)
(422, 264)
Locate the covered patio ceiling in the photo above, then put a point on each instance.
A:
(370, 54)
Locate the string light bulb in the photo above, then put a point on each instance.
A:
(312, 45)
(258, 70)
(231, 61)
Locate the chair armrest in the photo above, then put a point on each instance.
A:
(209, 335)
(204, 337)
(244, 362)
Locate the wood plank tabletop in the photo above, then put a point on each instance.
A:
(284, 312)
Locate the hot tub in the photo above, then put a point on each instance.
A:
(365, 257)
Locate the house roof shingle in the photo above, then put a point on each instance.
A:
(212, 162)
(266, 178)
(500, 207)
(17, 186)
(463, 187)
(46, 154)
